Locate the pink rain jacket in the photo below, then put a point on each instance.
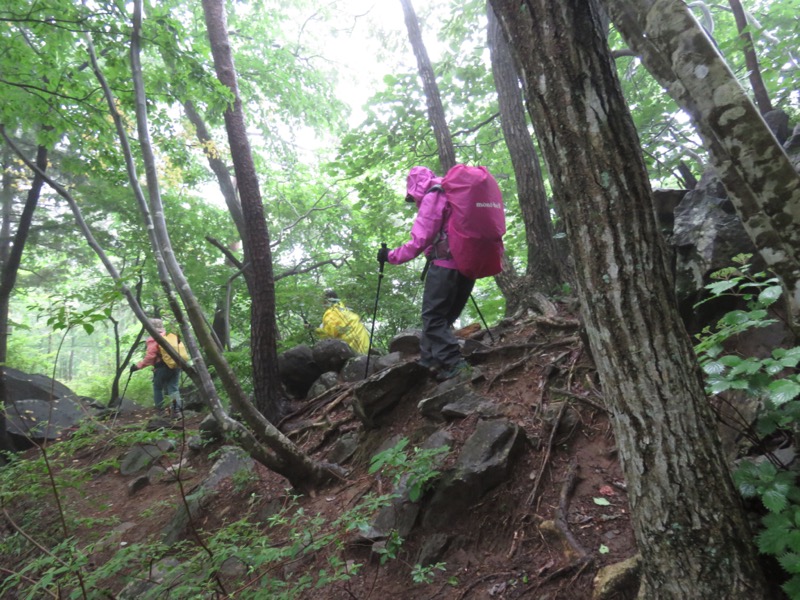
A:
(431, 218)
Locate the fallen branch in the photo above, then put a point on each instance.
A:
(563, 508)
(532, 496)
(480, 580)
(574, 396)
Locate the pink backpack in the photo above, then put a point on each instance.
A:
(476, 222)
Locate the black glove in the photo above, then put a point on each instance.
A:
(383, 255)
(134, 368)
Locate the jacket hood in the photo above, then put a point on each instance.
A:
(419, 181)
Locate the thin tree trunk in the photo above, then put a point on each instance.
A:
(542, 272)
(436, 115)
(12, 257)
(687, 516)
(760, 93)
(269, 398)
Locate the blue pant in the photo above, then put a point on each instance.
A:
(165, 383)
(446, 293)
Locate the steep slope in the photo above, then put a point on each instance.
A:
(528, 500)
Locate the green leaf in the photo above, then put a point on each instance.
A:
(774, 500)
(720, 287)
(730, 360)
(770, 295)
(603, 549)
(601, 502)
(791, 562)
(714, 367)
(782, 391)
(772, 539)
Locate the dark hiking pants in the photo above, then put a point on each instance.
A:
(446, 294)
(165, 384)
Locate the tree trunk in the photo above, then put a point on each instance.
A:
(758, 176)
(542, 273)
(751, 59)
(687, 516)
(269, 398)
(12, 256)
(436, 116)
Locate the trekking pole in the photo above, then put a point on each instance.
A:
(489, 331)
(375, 312)
(121, 398)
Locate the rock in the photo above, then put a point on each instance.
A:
(484, 462)
(379, 394)
(298, 370)
(707, 233)
(778, 122)
(231, 461)
(39, 420)
(388, 360)
(433, 549)
(449, 395)
(356, 368)
(24, 386)
(620, 580)
(401, 514)
(138, 484)
(472, 405)
(141, 456)
(210, 429)
(325, 382)
(344, 447)
(331, 354)
(406, 342)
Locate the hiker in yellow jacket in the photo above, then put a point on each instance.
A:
(341, 322)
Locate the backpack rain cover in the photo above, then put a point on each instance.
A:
(477, 221)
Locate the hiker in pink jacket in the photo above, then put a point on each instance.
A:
(446, 290)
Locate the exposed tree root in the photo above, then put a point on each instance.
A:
(532, 496)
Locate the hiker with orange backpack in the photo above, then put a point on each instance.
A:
(166, 373)
(459, 227)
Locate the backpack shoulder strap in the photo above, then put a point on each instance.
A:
(436, 188)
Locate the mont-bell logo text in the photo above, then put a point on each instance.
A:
(488, 205)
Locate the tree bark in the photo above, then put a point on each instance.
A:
(11, 258)
(758, 176)
(436, 116)
(751, 59)
(542, 272)
(687, 516)
(269, 398)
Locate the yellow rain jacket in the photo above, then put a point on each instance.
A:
(340, 322)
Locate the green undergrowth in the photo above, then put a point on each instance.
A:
(774, 382)
(281, 556)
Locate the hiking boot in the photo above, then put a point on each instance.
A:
(430, 366)
(462, 369)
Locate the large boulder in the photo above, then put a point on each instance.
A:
(484, 462)
(32, 420)
(26, 386)
(298, 370)
(377, 395)
(331, 354)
